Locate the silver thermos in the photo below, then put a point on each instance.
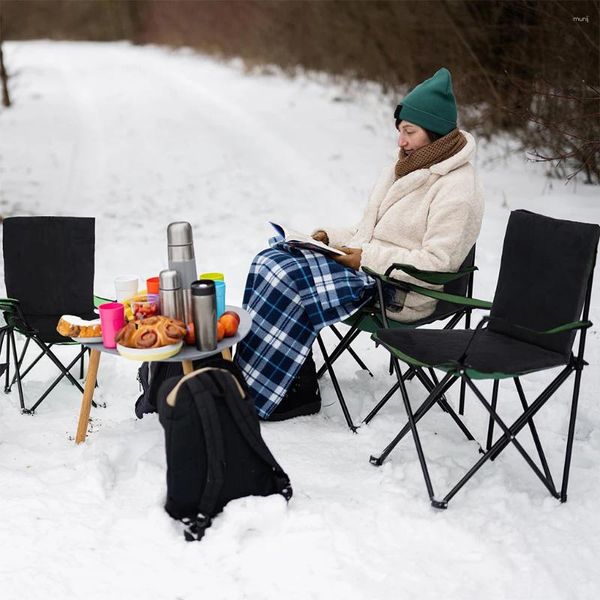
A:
(171, 295)
(204, 311)
(180, 245)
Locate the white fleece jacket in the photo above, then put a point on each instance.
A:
(429, 218)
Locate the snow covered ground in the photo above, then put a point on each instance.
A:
(141, 136)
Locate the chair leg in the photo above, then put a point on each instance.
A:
(350, 336)
(435, 380)
(3, 366)
(408, 376)
(461, 401)
(336, 385)
(353, 354)
(534, 433)
(423, 409)
(445, 406)
(81, 365)
(7, 374)
(490, 433)
(55, 382)
(13, 346)
(46, 350)
(381, 403)
(571, 434)
(499, 446)
(415, 433)
(510, 436)
(443, 386)
(29, 367)
(3, 331)
(419, 413)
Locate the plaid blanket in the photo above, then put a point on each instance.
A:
(291, 294)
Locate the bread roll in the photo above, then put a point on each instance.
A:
(72, 326)
(153, 332)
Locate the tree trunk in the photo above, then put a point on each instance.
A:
(3, 75)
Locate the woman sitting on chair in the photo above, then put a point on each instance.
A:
(425, 210)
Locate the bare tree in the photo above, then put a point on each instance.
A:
(564, 129)
(3, 74)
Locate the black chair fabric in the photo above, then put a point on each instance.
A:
(545, 268)
(49, 264)
(492, 354)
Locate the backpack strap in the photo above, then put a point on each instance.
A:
(215, 475)
(245, 417)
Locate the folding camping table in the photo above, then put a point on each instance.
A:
(186, 356)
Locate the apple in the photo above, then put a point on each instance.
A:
(230, 324)
(220, 331)
(190, 336)
(233, 314)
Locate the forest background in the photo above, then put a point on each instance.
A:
(529, 68)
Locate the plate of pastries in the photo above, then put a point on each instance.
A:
(153, 338)
(79, 329)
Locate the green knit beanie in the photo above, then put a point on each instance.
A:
(431, 104)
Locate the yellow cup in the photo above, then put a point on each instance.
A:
(213, 276)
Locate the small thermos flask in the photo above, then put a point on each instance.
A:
(204, 311)
(171, 295)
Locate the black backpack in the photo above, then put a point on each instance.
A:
(151, 375)
(215, 451)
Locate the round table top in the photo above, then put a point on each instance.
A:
(190, 352)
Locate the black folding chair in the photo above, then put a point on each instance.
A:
(454, 302)
(545, 283)
(48, 272)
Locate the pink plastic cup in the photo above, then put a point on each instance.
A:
(112, 318)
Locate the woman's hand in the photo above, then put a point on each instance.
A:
(321, 236)
(351, 259)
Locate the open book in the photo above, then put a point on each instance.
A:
(301, 240)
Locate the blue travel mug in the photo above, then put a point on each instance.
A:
(220, 295)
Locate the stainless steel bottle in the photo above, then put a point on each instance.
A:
(180, 247)
(171, 295)
(204, 311)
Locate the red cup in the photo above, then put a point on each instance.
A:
(112, 318)
(153, 285)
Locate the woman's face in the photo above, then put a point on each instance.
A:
(412, 137)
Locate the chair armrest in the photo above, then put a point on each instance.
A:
(452, 298)
(98, 300)
(8, 304)
(436, 294)
(573, 325)
(568, 327)
(13, 314)
(401, 285)
(433, 277)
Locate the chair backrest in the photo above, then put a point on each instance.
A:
(458, 287)
(545, 274)
(49, 263)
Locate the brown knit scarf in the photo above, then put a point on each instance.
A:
(429, 155)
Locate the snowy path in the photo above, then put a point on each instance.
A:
(138, 137)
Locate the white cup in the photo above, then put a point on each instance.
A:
(126, 286)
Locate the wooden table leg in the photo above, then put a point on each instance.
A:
(188, 366)
(88, 394)
(226, 354)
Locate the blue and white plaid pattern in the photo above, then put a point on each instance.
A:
(291, 294)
